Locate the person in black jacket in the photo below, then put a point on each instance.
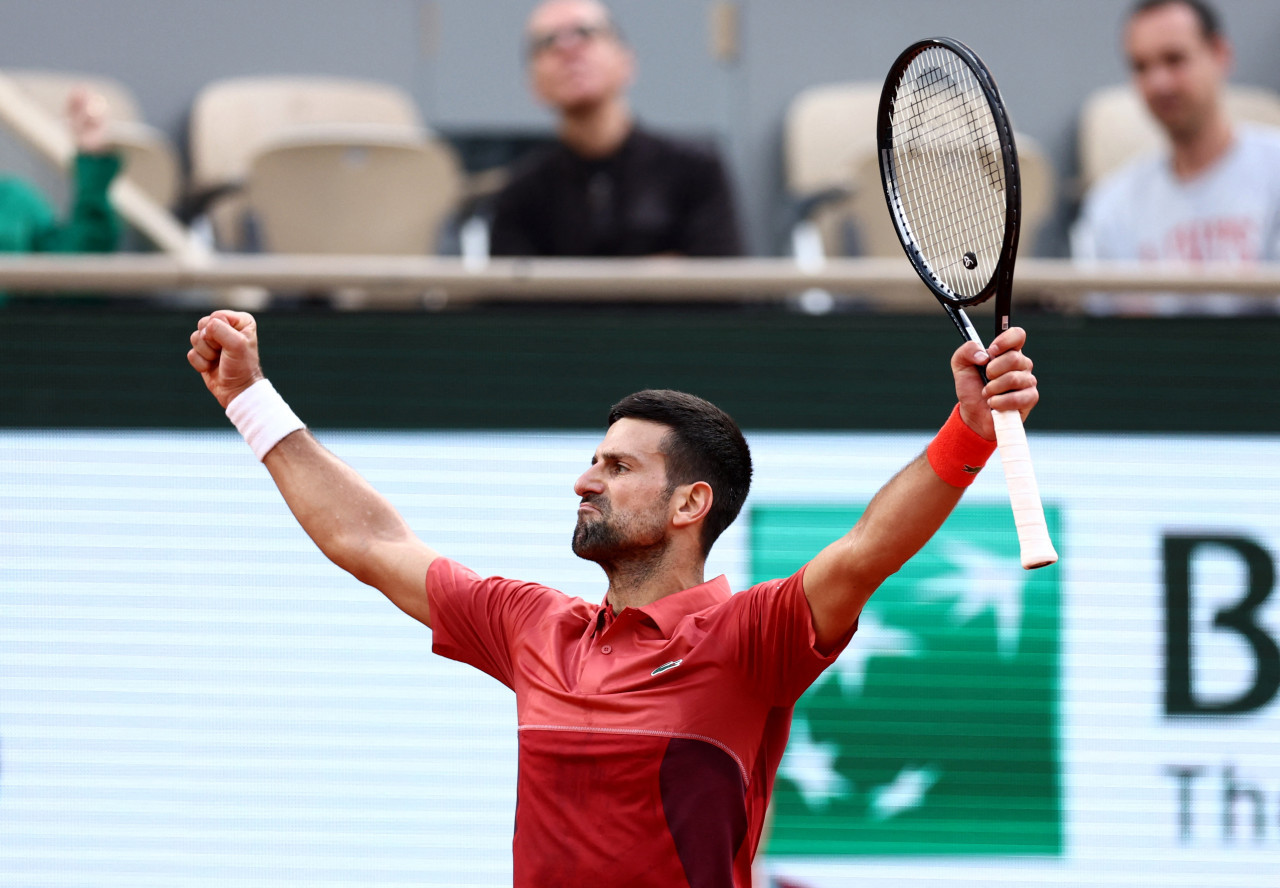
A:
(608, 187)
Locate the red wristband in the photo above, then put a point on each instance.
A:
(958, 453)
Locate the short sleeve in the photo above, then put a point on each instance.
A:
(1084, 240)
(1088, 243)
(522, 214)
(775, 639)
(24, 214)
(480, 621)
(711, 221)
(509, 233)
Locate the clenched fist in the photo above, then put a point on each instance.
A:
(224, 349)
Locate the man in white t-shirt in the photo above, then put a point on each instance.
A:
(1212, 196)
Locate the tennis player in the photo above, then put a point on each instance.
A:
(652, 723)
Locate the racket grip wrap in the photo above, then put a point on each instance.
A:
(957, 453)
(262, 417)
(1024, 493)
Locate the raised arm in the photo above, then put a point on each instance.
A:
(911, 507)
(354, 525)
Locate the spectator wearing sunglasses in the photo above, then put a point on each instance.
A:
(608, 186)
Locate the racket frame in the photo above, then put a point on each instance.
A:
(1001, 283)
(1033, 535)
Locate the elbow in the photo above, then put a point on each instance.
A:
(351, 555)
(369, 557)
(864, 568)
(349, 550)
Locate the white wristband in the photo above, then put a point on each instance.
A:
(262, 417)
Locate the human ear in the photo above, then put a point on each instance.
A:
(691, 503)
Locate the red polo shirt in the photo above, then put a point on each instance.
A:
(649, 739)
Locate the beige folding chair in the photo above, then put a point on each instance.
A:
(828, 131)
(150, 160)
(349, 193)
(1116, 127)
(233, 119)
(876, 234)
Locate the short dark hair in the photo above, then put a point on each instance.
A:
(1206, 15)
(704, 444)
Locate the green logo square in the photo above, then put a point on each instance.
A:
(936, 731)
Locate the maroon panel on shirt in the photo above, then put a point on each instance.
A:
(703, 797)
(590, 813)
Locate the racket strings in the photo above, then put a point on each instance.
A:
(947, 121)
(940, 89)
(949, 214)
(950, 178)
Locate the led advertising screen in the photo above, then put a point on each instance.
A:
(192, 695)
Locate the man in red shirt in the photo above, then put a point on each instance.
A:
(651, 725)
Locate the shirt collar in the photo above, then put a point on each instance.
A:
(668, 611)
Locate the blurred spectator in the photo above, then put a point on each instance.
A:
(28, 224)
(609, 187)
(1213, 196)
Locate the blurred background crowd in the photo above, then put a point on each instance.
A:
(663, 127)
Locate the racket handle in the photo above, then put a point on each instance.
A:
(1024, 494)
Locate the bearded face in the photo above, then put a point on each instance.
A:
(625, 498)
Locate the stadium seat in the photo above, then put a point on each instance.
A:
(828, 131)
(352, 192)
(150, 160)
(233, 119)
(1115, 126)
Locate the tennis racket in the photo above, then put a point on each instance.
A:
(949, 168)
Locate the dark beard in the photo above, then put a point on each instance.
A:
(597, 539)
(602, 540)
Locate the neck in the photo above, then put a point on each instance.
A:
(1196, 152)
(643, 580)
(597, 131)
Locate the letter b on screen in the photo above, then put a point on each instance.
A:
(1239, 617)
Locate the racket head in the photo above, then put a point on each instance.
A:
(949, 167)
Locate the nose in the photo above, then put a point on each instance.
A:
(588, 482)
(1159, 80)
(568, 40)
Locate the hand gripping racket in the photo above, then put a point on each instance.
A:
(950, 173)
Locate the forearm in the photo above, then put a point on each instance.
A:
(355, 527)
(900, 519)
(338, 509)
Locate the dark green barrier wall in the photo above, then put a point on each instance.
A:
(96, 366)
